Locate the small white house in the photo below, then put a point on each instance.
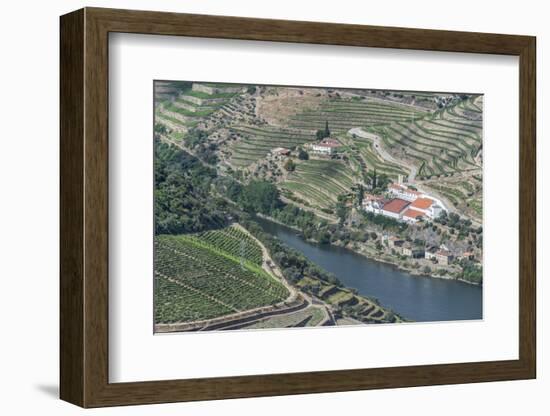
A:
(435, 211)
(325, 147)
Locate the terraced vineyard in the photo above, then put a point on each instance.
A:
(464, 193)
(176, 303)
(444, 143)
(208, 275)
(184, 108)
(343, 114)
(257, 141)
(362, 153)
(320, 181)
(233, 241)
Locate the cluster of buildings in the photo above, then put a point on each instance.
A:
(404, 204)
(410, 205)
(404, 247)
(324, 147)
(441, 255)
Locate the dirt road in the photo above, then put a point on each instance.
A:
(382, 152)
(269, 265)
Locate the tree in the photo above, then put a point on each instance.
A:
(359, 193)
(324, 237)
(195, 137)
(260, 196)
(290, 165)
(183, 202)
(302, 154)
(321, 134)
(327, 130)
(371, 178)
(382, 181)
(160, 128)
(342, 210)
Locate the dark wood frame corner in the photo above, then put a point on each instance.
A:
(84, 207)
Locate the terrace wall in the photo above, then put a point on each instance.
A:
(214, 90)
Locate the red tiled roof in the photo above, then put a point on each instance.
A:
(329, 143)
(422, 203)
(396, 205)
(412, 213)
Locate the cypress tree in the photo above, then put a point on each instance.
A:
(327, 131)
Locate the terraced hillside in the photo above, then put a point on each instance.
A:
(255, 142)
(167, 90)
(464, 192)
(232, 241)
(444, 143)
(319, 182)
(363, 157)
(184, 107)
(208, 275)
(344, 114)
(436, 143)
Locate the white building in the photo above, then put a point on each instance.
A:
(373, 203)
(408, 205)
(421, 201)
(325, 147)
(403, 192)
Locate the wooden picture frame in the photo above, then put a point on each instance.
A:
(84, 207)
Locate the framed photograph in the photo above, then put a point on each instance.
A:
(260, 207)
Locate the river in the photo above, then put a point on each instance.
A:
(416, 298)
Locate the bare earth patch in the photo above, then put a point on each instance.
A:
(277, 105)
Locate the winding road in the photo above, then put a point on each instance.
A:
(358, 131)
(269, 265)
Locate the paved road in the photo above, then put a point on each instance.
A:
(382, 152)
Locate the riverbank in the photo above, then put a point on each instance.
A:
(422, 299)
(314, 281)
(414, 272)
(397, 263)
(268, 218)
